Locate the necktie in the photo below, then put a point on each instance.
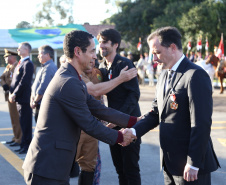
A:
(169, 78)
(19, 63)
(170, 74)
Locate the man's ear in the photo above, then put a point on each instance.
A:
(116, 45)
(173, 46)
(77, 51)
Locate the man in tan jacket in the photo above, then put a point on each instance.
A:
(6, 78)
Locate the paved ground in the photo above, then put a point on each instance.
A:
(10, 162)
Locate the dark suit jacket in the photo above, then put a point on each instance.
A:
(66, 109)
(184, 132)
(21, 82)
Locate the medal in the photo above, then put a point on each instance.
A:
(110, 75)
(173, 105)
(173, 96)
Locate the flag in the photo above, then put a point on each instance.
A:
(220, 50)
(207, 44)
(189, 45)
(139, 45)
(199, 44)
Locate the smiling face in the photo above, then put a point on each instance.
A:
(160, 53)
(87, 59)
(106, 47)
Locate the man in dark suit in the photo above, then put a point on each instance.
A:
(124, 98)
(20, 92)
(66, 109)
(183, 110)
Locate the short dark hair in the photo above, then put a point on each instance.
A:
(47, 49)
(27, 45)
(167, 36)
(112, 35)
(76, 38)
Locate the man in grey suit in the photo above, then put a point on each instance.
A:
(183, 111)
(66, 109)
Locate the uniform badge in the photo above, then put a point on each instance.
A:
(99, 77)
(173, 104)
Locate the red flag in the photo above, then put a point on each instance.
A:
(139, 45)
(207, 44)
(220, 51)
(199, 44)
(189, 45)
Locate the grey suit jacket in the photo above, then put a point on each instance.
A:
(185, 131)
(66, 108)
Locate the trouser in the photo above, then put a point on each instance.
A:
(15, 121)
(125, 160)
(33, 179)
(25, 115)
(87, 152)
(169, 179)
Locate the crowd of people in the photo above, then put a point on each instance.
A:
(71, 116)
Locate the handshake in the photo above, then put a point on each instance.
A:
(128, 136)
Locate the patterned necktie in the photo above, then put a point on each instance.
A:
(170, 74)
(169, 78)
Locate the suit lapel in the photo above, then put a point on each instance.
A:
(176, 77)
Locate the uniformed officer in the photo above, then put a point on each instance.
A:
(6, 78)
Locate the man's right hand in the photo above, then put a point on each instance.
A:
(126, 75)
(128, 137)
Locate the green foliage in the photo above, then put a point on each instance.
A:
(54, 12)
(194, 18)
(23, 24)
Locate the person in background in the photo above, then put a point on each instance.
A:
(124, 98)
(43, 77)
(20, 92)
(6, 78)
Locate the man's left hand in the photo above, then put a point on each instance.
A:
(190, 174)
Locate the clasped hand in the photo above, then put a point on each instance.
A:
(128, 137)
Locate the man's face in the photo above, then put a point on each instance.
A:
(43, 58)
(87, 61)
(22, 50)
(160, 53)
(106, 48)
(9, 59)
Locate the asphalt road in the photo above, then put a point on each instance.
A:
(10, 162)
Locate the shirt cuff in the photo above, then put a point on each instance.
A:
(132, 121)
(120, 137)
(134, 131)
(192, 167)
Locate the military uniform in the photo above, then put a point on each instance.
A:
(6, 79)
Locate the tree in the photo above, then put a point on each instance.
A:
(54, 12)
(23, 24)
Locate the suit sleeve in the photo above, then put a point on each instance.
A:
(148, 122)
(73, 100)
(25, 81)
(201, 107)
(106, 113)
(133, 95)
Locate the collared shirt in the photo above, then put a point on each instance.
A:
(43, 77)
(25, 58)
(174, 68)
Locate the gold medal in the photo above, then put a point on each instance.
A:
(174, 105)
